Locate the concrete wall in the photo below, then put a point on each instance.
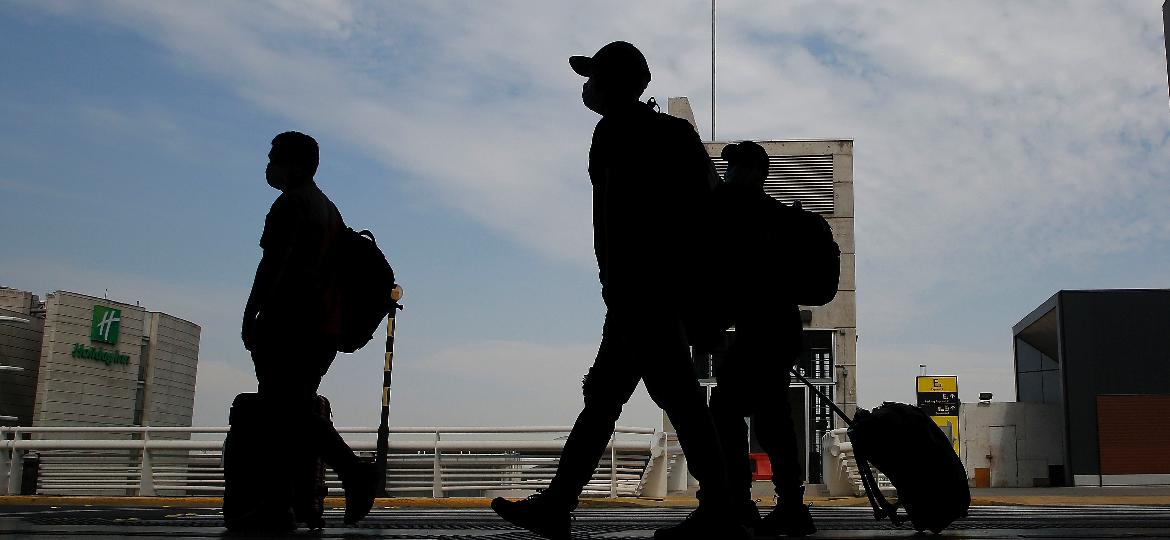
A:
(20, 346)
(173, 357)
(1016, 442)
(17, 300)
(84, 392)
(163, 353)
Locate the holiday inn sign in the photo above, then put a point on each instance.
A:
(107, 322)
(106, 325)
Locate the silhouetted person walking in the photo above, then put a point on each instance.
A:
(291, 324)
(753, 379)
(650, 177)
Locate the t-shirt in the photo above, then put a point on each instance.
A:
(303, 222)
(652, 182)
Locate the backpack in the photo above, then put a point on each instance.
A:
(807, 241)
(364, 283)
(909, 448)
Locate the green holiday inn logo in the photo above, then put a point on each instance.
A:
(107, 323)
(101, 355)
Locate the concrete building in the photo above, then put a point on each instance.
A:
(1012, 444)
(89, 361)
(21, 327)
(818, 173)
(1101, 360)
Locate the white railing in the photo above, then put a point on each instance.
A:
(433, 461)
(840, 467)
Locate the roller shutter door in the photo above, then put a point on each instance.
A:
(1133, 432)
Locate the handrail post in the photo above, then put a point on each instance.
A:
(15, 465)
(653, 484)
(437, 483)
(613, 490)
(5, 460)
(146, 475)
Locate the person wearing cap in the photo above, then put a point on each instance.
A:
(290, 326)
(651, 181)
(767, 343)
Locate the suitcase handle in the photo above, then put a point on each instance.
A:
(881, 507)
(836, 409)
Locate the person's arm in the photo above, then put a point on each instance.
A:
(277, 246)
(267, 275)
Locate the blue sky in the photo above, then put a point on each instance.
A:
(1003, 151)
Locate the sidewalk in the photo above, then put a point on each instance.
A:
(1073, 496)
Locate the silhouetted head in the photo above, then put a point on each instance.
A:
(292, 161)
(747, 163)
(618, 74)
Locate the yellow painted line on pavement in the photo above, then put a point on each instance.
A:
(620, 502)
(1068, 500)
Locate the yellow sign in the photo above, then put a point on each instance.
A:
(938, 397)
(950, 427)
(948, 383)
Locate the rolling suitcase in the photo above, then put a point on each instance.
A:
(269, 486)
(910, 449)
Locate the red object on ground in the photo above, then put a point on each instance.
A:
(761, 466)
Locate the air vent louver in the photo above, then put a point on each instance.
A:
(808, 179)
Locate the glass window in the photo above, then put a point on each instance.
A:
(1031, 387)
(1027, 357)
(1051, 379)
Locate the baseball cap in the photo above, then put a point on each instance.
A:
(619, 61)
(746, 152)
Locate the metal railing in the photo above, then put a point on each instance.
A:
(439, 462)
(840, 470)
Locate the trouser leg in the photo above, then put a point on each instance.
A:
(288, 383)
(583, 450)
(777, 436)
(733, 438)
(671, 383)
(606, 388)
(767, 359)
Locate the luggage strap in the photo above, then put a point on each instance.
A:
(836, 409)
(881, 506)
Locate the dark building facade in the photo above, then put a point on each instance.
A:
(1104, 357)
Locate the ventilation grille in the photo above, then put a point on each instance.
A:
(808, 179)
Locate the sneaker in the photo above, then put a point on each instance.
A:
(787, 520)
(705, 523)
(538, 513)
(747, 514)
(313, 522)
(360, 485)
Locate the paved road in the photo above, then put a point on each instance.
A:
(465, 524)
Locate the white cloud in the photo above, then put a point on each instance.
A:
(987, 134)
(995, 141)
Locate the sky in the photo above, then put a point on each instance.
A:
(1003, 151)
